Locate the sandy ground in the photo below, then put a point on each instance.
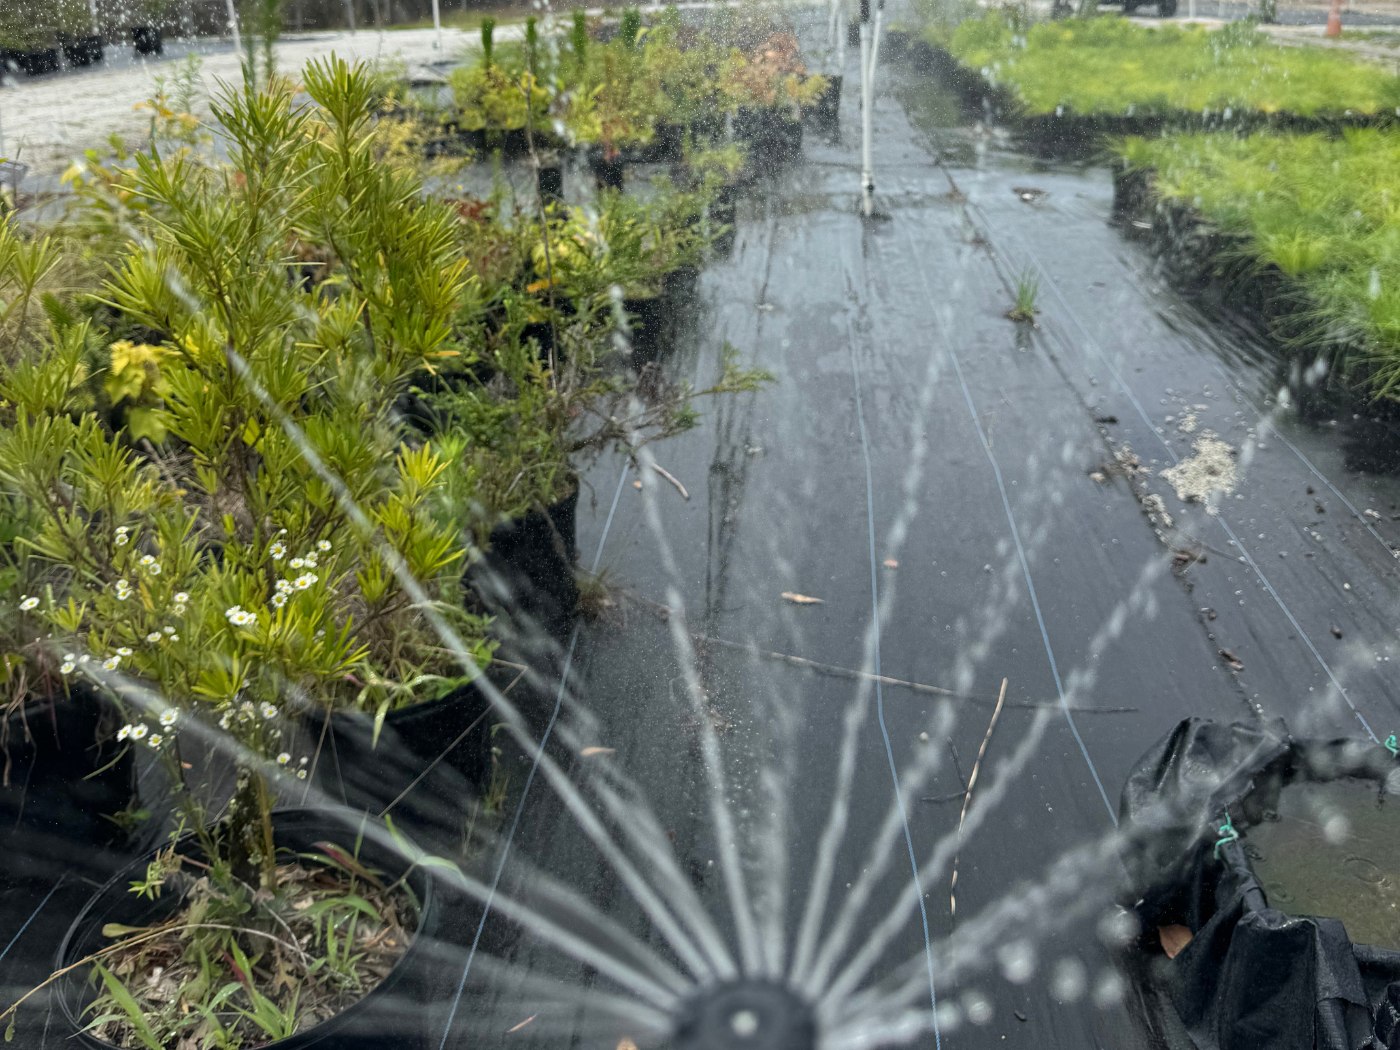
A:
(45, 123)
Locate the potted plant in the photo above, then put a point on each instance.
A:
(30, 39)
(498, 97)
(78, 33)
(769, 86)
(232, 561)
(150, 19)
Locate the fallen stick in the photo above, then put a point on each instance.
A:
(672, 479)
(967, 797)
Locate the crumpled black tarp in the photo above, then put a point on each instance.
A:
(1252, 977)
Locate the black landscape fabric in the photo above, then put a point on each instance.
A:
(1252, 976)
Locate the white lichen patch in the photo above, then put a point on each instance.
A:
(1188, 423)
(1209, 472)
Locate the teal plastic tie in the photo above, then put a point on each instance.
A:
(1227, 834)
(1393, 746)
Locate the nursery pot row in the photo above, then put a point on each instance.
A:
(395, 1015)
(62, 780)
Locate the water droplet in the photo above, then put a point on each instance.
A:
(1068, 981)
(1017, 961)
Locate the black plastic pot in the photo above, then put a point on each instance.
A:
(62, 780)
(647, 316)
(35, 63)
(83, 51)
(396, 1015)
(550, 180)
(772, 133)
(429, 760)
(825, 112)
(609, 173)
(526, 577)
(147, 40)
(724, 212)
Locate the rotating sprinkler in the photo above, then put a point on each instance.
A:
(869, 55)
(753, 1014)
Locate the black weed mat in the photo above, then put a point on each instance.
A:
(996, 491)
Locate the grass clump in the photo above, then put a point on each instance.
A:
(1106, 66)
(1323, 210)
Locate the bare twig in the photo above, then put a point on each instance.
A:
(967, 796)
(671, 478)
(852, 674)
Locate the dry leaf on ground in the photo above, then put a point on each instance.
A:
(802, 599)
(522, 1024)
(589, 752)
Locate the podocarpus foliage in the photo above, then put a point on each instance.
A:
(235, 542)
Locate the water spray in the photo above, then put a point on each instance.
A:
(233, 26)
(437, 26)
(747, 1015)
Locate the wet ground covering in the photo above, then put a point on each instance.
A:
(988, 488)
(966, 500)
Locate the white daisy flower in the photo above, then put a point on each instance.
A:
(297, 563)
(177, 610)
(123, 732)
(304, 581)
(301, 774)
(323, 546)
(149, 563)
(123, 651)
(283, 586)
(121, 539)
(168, 629)
(139, 731)
(111, 663)
(224, 720)
(26, 602)
(240, 617)
(279, 599)
(66, 667)
(154, 636)
(154, 568)
(278, 550)
(268, 710)
(283, 758)
(156, 740)
(122, 530)
(181, 598)
(168, 717)
(174, 637)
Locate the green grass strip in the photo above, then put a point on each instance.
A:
(1109, 66)
(1323, 209)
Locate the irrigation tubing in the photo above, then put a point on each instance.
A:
(879, 690)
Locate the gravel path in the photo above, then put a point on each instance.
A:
(46, 123)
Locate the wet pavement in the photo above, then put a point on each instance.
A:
(987, 487)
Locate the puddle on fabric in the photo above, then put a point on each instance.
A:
(1334, 850)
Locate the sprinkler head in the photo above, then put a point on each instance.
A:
(747, 1015)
